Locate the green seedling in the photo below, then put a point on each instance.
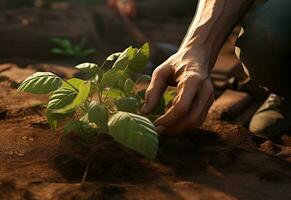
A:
(66, 48)
(108, 102)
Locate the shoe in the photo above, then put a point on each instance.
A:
(273, 118)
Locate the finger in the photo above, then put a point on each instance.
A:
(198, 112)
(187, 90)
(156, 88)
(193, 120)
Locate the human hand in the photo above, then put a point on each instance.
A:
(188, 70)
(123, 7)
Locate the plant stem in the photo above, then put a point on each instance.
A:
(124, 71)
(71, 85)
(86, 172)
(103, 64)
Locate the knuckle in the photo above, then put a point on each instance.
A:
(158, 71)
(194, 78)
(180, 109)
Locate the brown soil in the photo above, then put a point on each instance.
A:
(220, 161)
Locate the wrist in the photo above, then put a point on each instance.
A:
(197, 59)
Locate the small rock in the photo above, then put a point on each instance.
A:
(31, 139)
(24, 137)
(286, 140)
(269, 147)
(10, 153)
(20, 154)
(285, 153)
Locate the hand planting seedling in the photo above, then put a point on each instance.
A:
(108, 102)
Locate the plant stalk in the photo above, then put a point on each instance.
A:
(85, 172)
(71, 86)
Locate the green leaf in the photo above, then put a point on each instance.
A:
(128, 86)
(113, 56)
(133, 59)
(41, 83)
(63, 43)
(53, 118)
(113, 93)
(98, 114)
(160, 108)
(83, 129)
(144, 79)
(58, 51)
(124, 59)
(61, 98)
(127, 104)
(58, 41)
(135, 132)
(87, 52)
(83, 42)
(140, 59)
(90, 68)
(81, 97)
(112, 76)
(169, 95)
(73, 83)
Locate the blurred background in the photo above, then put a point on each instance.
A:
(28, 28)
(68, 32)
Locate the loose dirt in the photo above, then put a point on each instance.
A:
(218, 161)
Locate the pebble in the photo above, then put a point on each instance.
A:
(20, 154)
(24, 137)
(27, 138)
(10, 153)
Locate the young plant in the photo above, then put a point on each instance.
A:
(67, 48)
(108, 102)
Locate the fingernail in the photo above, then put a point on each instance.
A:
(161, 129)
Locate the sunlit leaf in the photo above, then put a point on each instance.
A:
(123, 59)
(81, 97)
(90, 68)
(41, 83)
(113, 56)
(73, 83)
(111, 77)
(140, 59)
(113, 93)
(135, 132)
(61, 98)
(169, 95)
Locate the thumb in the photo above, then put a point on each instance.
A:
(156, 89)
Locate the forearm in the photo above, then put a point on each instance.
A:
(213, 22)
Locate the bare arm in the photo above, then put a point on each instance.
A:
(189, 68)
